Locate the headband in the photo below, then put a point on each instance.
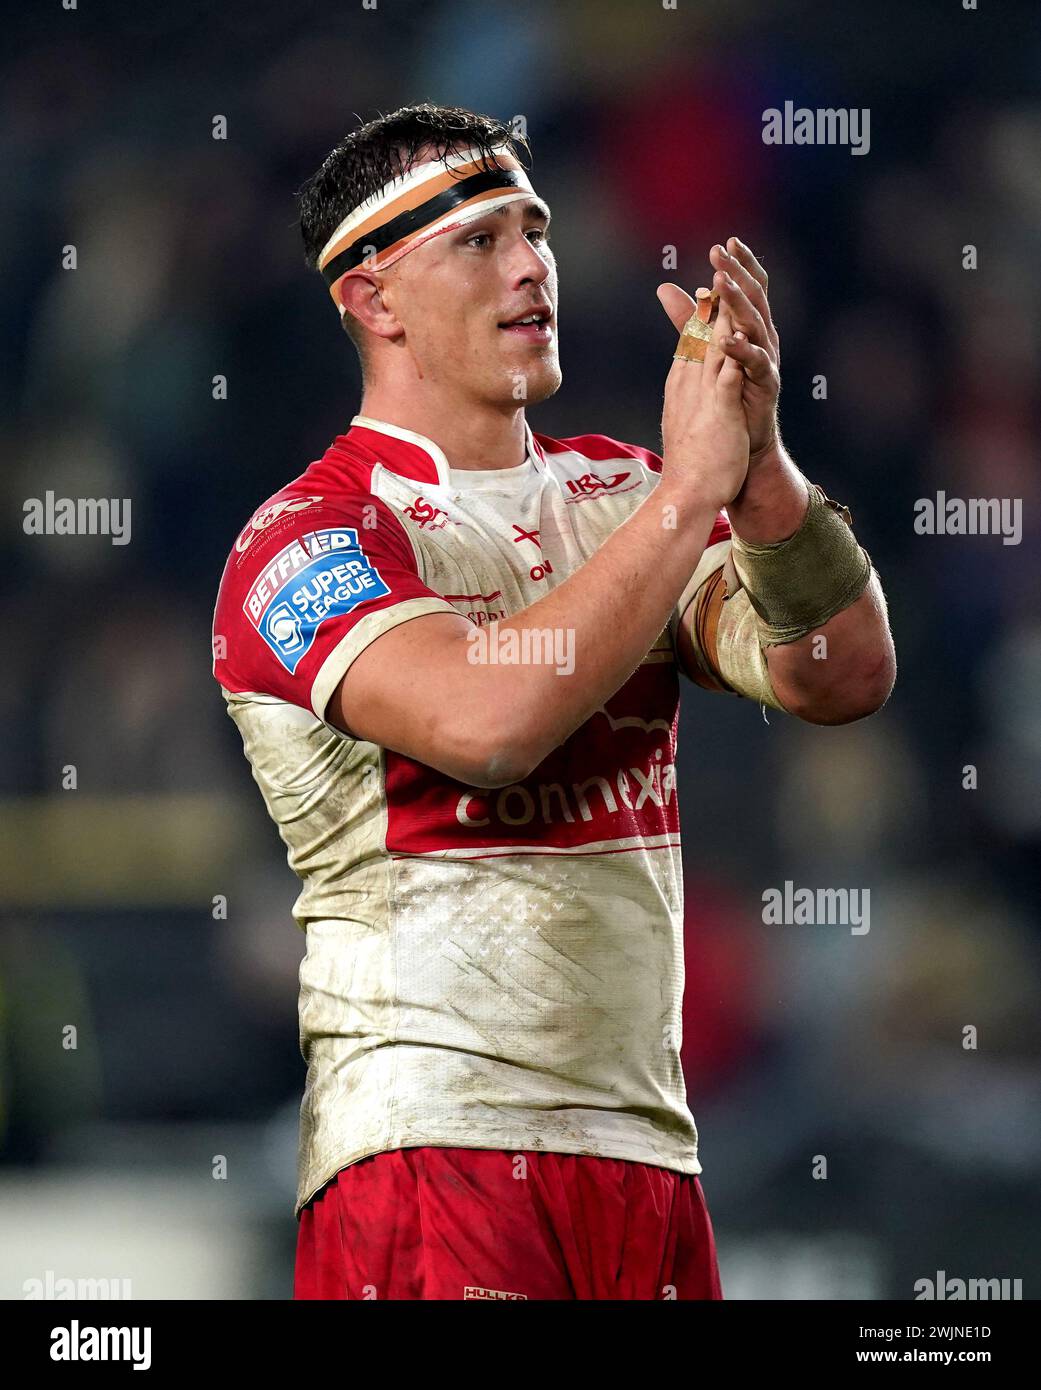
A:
(429, 199)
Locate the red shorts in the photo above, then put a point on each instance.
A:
(482, 1223)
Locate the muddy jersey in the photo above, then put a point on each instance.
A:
(494, 969)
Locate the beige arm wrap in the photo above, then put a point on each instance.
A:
(724, 636)
(796, 585)
(762, 595)
(740, 655)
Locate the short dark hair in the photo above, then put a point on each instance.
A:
(382, 150)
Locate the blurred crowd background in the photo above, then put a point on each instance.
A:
(645, 125)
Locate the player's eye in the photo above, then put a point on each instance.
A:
(539, 234)
(484, 238)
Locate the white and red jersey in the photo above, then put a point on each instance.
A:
(495, 969)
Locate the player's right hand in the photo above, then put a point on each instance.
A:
(704, 429)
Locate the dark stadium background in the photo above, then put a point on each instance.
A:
(645, 125)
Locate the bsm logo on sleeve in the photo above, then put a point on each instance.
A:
(317, 576)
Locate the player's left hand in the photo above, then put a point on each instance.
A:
(742, 283)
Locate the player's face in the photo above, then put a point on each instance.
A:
(463, 294)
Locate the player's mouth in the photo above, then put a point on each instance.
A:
(535, 326)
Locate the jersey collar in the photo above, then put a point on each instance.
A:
(414, 456)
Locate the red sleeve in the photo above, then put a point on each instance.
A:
(307, 593)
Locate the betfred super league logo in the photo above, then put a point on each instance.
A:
(316, 577)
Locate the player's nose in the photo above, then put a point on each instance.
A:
(526, 266)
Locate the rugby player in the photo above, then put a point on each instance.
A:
(452, 646)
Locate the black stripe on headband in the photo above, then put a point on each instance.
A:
(414, 220)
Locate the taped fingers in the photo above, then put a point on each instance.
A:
(698, 330)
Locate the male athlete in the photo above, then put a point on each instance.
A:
(451, 648)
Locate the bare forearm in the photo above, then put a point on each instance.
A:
(772, 504)
(609, 614)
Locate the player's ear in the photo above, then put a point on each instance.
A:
(362, 295)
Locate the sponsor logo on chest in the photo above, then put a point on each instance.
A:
(427, 516)
(588, 485)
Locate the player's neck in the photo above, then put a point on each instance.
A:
(469, 435)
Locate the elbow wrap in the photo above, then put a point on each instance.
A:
(740, 655)
(797, 584)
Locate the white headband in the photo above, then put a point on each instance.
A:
(426, 201)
